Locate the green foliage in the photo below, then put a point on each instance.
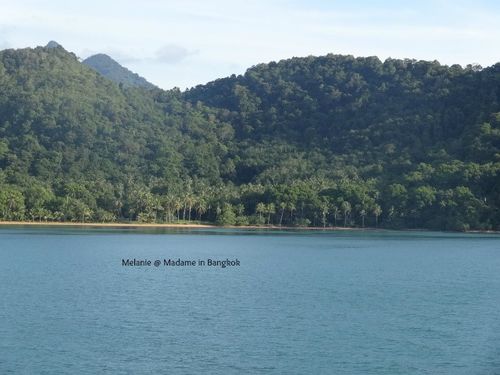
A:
(227, 215)
(323, 141)
(11, 203)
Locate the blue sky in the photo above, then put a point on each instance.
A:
(187, 42)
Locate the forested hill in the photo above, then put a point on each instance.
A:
(360, 105)
(112, 70)
(331, 140)
(76, 146)
(426, 135)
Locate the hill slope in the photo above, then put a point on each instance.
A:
(75, 146)
(424, 132)
(306, 141)
(112, 70)
(343, 103)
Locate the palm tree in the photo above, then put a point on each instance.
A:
(324, 212)
(86, 213)
(58, 216)
(292, 208)
(282, 206)
(201, 208)
(46, 214)
(240, 209)
(346, 209)
(190, 201)
(377, 211)
(177, 206)
(335, 212)
(391, 213)
(167, 203)
(362, 213)
(157, 207)
(184, 206)
(270, 209)
(118, 205)
(260, 209)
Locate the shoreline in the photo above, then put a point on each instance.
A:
(104, 225)
(212, 226)
(170, 225)
(173, 225)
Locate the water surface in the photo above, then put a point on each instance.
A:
(372, 302)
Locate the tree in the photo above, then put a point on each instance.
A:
(324, 212)
(291, 208)
(240, 209)
(335, 212)
(270, 210)
(346, 209)
(260, 209)
(227, 215)
(11, 203)
(282, 206)
(37, 197)
(362, 213)
(377, 211)
(190, 201)
(201, 208)
(177, 206)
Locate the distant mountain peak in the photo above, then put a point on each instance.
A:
(111, 69)
(52, 44)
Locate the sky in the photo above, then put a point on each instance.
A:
(182, 43)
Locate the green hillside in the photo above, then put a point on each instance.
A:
(112, 70)
(419, 139)
(331, 140)
(76, 146)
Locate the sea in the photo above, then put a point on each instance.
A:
(226, 301)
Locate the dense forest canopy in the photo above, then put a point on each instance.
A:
(331, 140)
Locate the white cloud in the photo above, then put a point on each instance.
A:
(172, 54)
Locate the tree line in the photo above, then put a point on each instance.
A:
(314, 202)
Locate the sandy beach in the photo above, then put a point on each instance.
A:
(167, 225)
(201, 226)
(105, 225)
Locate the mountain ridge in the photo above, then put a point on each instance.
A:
(114, 71)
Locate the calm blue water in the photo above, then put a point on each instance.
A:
(299, 303)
